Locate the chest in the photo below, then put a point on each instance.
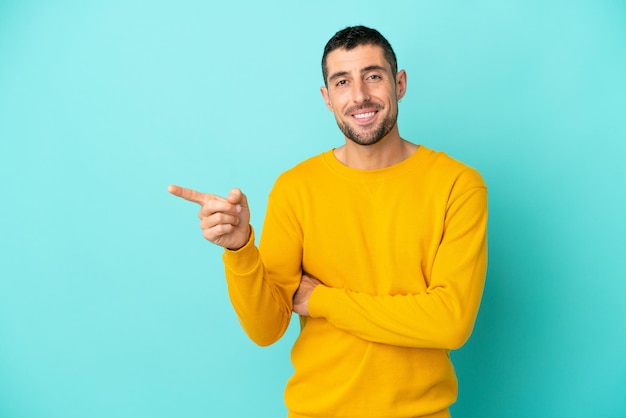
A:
(378, 238)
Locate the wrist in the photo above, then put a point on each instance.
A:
(243, 260)
(248, 236)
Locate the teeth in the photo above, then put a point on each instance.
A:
(364, 115)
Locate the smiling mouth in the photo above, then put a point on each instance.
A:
(363, 115)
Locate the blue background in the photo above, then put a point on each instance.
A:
(111, 303)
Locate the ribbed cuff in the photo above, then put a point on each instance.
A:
(243, 260)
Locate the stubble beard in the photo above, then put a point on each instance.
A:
(370, 137)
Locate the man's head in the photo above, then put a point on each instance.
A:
(351, 37)
(362, 85)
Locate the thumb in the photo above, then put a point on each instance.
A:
(236, 197)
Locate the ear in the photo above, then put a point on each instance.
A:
(400, 84)
(326, 97)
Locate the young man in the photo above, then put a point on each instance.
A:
(379, 245)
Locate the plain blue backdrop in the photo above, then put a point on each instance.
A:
(111, 303)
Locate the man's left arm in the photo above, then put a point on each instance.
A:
(443, 315)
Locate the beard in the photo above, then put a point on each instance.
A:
(373, 134)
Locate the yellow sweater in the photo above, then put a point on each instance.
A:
(402, 252)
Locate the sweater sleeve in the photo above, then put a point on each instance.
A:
(262, 280)
(441, 316)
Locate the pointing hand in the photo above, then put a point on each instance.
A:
(224, 221)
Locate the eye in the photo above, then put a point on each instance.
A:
(341, 83)
(374, 77)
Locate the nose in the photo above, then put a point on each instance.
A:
(360, 92)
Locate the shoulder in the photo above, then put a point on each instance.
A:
(439, 166)
(303, 170)
(299, 175)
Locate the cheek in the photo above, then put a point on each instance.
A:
(338, 99)
(331, 103)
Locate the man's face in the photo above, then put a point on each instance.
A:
(363, 93)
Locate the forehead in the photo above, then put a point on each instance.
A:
(356, 59)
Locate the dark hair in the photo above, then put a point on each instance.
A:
(351, 37)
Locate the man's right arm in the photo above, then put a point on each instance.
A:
(261, 295)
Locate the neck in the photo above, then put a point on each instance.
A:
(390, 150)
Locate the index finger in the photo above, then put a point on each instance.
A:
(192, 195)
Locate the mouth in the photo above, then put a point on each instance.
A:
(364, 117)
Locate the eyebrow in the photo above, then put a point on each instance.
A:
(369, 68)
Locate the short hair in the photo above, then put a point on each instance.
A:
(353, 36)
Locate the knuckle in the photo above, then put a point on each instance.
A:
(218, 230)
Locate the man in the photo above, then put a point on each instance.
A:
(379, 245)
